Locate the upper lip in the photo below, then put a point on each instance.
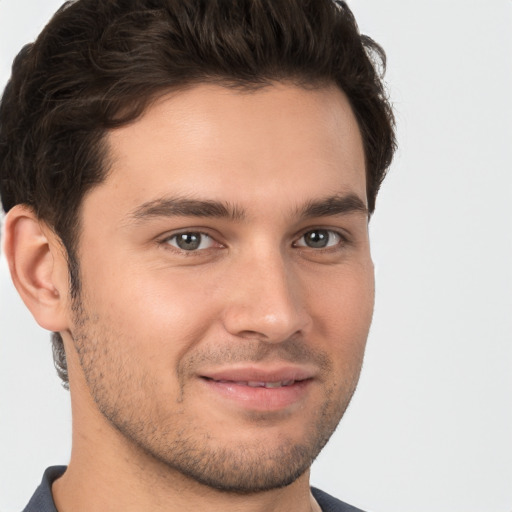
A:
(255, 373)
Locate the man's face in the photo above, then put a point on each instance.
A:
(227, 285)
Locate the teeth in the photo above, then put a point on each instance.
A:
(253, 384)
(261, 384)
(271, 385)
(274, 384)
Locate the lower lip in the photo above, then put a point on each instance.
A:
(260, 398)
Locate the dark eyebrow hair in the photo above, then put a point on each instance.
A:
(334, 205)
(185, 207)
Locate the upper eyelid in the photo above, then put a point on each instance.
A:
(342, 233)
(199, 231)
(164, 242)
(341, 244)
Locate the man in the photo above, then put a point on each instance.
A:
(188, 187)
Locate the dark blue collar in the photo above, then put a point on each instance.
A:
(42, 500)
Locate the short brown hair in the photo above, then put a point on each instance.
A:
(99, 63)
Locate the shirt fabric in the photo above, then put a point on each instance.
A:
(42, 500)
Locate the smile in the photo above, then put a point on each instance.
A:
(258, 384)
(259, 390)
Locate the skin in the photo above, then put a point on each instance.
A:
(157, 328)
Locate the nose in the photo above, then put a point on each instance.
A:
(266, 300)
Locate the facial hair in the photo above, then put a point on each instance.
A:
(128, 395)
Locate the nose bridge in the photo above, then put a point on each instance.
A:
(267, 303)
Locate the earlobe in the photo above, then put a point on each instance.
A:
(38, 267)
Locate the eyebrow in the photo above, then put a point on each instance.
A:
(333, 206)
(185, 207)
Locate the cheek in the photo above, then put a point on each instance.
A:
(159, 314)
(342, 310)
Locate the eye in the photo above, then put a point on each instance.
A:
(319, 239)
(190, 241)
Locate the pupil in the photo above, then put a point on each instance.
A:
(189, 241)
(317, 239)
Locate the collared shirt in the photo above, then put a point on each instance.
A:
(42, 500)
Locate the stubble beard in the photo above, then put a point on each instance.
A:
(242, 468)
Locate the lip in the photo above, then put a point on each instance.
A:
(268, 373)
(246, 387)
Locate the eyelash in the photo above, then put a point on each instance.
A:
(341, 241)
(166, 242)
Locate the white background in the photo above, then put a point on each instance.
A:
(430, 428)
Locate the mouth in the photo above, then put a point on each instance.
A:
(257, 384)
(260, 389)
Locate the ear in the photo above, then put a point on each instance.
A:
(38, 265)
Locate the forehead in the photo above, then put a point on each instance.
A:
(281, 141)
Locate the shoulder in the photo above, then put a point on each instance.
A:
(42, 500)
(330, 504)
